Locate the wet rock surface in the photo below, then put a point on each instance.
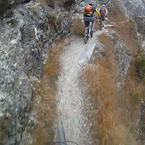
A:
(133, 7)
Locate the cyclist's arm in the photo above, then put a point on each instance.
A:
(97, 11)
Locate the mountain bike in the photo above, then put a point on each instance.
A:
(88, 32)
(61, 135)
(101, 19)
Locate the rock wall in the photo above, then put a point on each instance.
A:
(4, 5)
(134, 7)
(140, 22)
(27, 32)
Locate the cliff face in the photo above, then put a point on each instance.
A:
(136, 10)
(27, 32)
(133, 7)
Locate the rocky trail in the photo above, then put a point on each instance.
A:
(71, 100)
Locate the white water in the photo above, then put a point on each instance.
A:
(70, 97)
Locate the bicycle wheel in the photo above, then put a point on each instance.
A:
(86, 35)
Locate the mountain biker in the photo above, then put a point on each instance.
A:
(89, 14)
(103, 12)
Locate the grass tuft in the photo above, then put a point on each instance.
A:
(140, 67)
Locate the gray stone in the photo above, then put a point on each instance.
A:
(25, 38)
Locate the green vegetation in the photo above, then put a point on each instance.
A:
(13, 22)
(136, 98)
(140, 66)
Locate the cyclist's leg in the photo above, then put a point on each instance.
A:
(91, 29)
(100, 23)
(86, 23)
(103, 19)
(93, 20)
(86, 20)
(89, 24)
(87, 28)
(92, 25)
(86, 33)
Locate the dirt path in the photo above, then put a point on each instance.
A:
(70, 97)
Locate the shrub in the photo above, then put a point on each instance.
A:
(135, 98)
(140, 67)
